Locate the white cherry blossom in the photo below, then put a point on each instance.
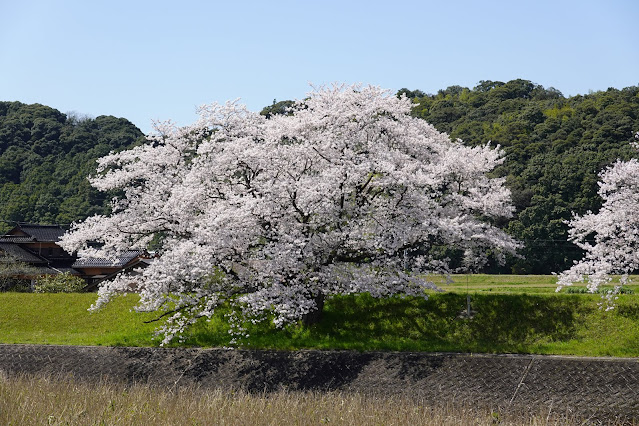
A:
(345, 195)
(610, 237)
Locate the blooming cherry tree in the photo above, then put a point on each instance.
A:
(609, 237)
(346, 194)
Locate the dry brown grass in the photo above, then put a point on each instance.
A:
(28, 400)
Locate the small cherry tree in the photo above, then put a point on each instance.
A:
(610, 237)
(345, 194)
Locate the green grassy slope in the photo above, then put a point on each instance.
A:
(511, 315)
(62, 318)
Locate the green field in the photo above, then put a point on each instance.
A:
(512, 314)
(516, 284)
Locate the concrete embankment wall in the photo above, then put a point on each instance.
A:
(603, 387)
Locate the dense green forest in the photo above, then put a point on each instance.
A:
(555, 147)
(45, 158)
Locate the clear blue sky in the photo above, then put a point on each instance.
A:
(156, 60)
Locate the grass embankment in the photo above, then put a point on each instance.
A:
(63, 319)
(62, 401)
(513, 314)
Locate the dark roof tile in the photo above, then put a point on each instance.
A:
(20, 254)
(51, 233)
(15, 239)
(116, 262)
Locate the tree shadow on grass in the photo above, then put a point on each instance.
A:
(501, 323)
(522, 320)
(630, 311)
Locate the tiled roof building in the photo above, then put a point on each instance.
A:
(43, 233)
(37, 246)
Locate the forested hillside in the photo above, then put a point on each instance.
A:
(45, 158)
(555, 148)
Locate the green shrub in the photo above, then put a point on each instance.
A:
(61, 283)
(20, 285)
(13, 273)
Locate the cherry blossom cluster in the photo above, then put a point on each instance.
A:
(610, 237)
(347, 193)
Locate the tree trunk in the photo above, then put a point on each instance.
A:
(314, 316)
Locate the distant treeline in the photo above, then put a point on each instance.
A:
(555, 147)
